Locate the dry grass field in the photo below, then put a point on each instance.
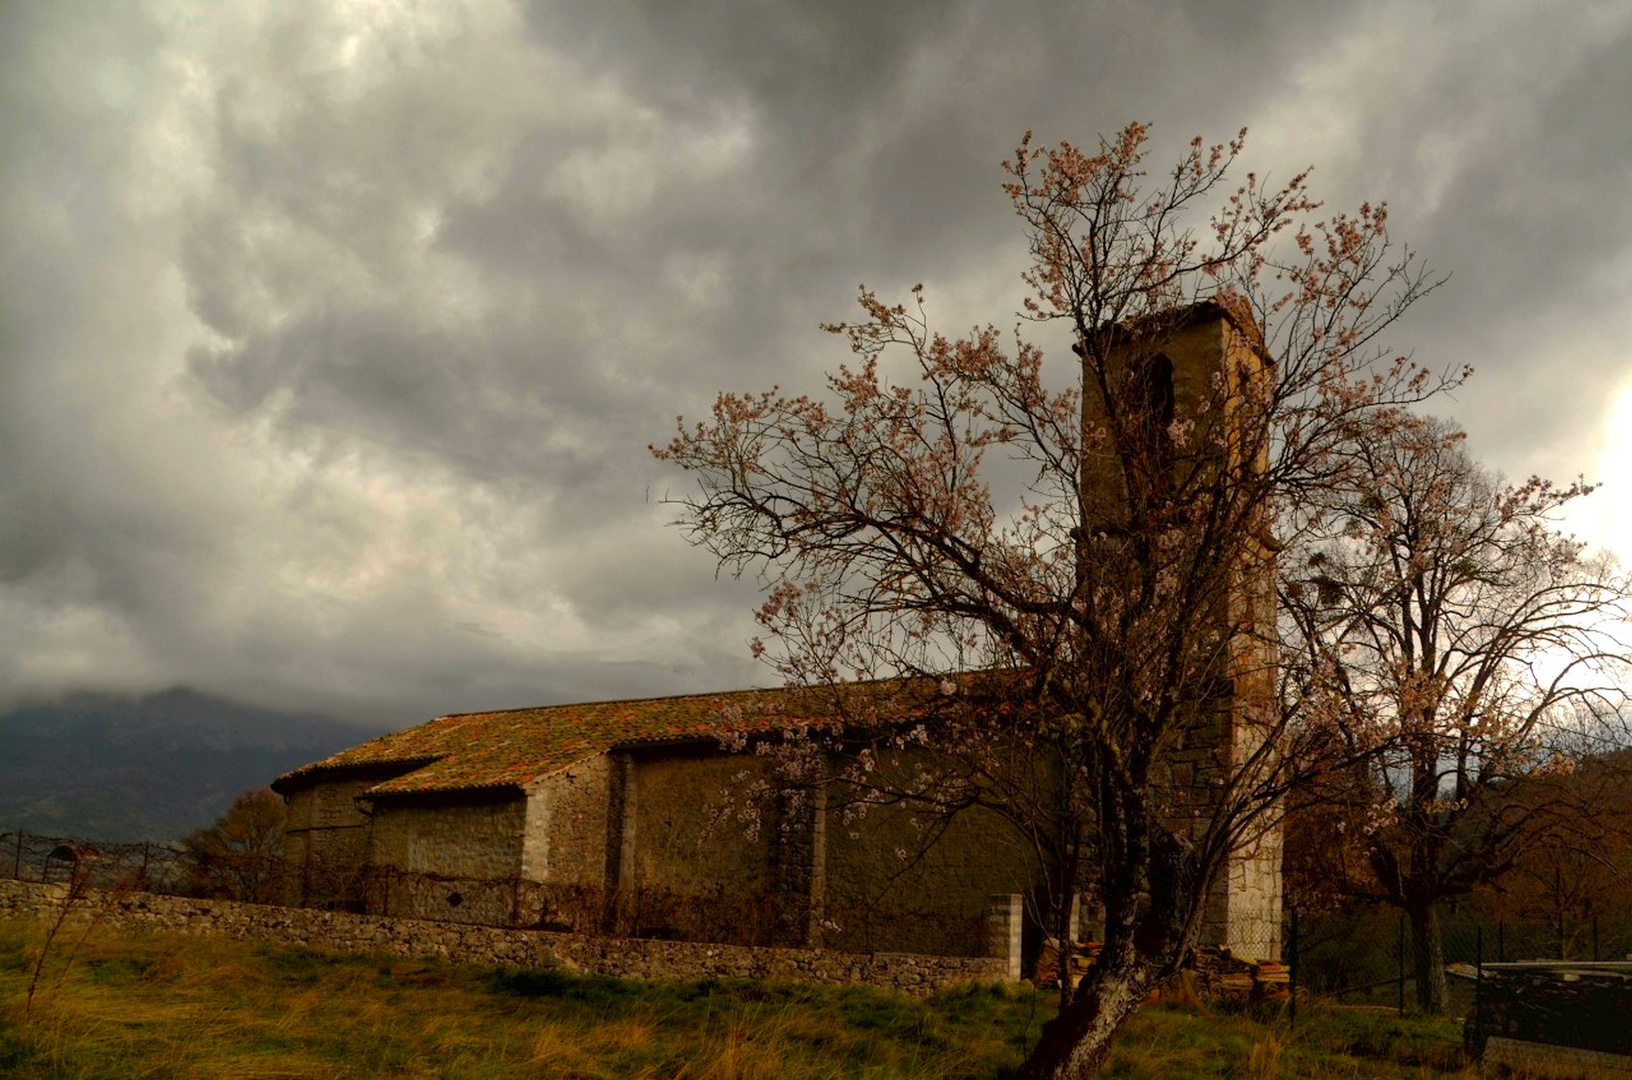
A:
(110, 1006)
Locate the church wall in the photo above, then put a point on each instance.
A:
(324, 820)
(1252, 904)
(1243, 910)
(893, 885)
(460, 854)
(326, 838)
(566, 830)
(564, 847)
(686, 865)
(467, 834)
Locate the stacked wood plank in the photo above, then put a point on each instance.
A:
(1273, 981)
(1224, 976)
(1083, 954)
(1216, 973)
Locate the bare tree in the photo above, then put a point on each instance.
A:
(1442, 621)
(1580, 867)
(1112, 596)
(240, 857)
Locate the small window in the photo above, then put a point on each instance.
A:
(1158, 389)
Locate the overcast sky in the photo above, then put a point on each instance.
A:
(332, 334)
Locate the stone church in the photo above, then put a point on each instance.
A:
(629, 816)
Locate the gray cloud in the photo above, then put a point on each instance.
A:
(331, 340)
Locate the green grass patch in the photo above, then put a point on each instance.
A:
(158, 1006)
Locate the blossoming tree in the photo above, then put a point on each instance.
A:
(1444, 624)
(1077, 561)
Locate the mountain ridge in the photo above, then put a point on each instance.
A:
(115, 767)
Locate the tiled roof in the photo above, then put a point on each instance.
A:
(514, 747)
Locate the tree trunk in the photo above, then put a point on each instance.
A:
(1074, 1045)
(1428, 956)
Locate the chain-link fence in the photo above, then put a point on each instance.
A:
(145, 867)
(1367, 956)
(725, 914)
(1362, 956)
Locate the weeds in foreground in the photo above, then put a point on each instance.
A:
(171, 1006)
(76, 895)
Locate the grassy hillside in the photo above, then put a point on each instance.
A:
(168, 1006)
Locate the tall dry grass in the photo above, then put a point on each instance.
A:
(161, 1006)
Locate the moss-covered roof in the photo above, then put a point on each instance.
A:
(515, 747)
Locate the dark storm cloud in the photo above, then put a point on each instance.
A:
(334, 338)
(241, 568)
(886, 123)
(807, 59)
(542, 379)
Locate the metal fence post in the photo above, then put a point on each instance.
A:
(1400, 952)
(1479, 974)
(1292, 976)
(1478, 959)
(17, 860)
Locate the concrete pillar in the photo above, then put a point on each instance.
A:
(535, 834)
(620, 843)
(1005, 916)
(818, 868)
(1252, 897)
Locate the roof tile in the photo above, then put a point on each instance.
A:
(514, 747)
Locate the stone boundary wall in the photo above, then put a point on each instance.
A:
(1557, 1003)
(625, 958)
(1542, 1060)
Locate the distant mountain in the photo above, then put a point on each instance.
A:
(157, 767)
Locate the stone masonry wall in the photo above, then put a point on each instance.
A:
(479, 841)
(325, 824)
(893, 883)
(689, 837)
(687, 861)
(327, 834)
(1581, 1005)
(619, 957)
(1243, 910)
(1252, 890)
(566, 825)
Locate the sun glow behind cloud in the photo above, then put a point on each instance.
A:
(1604, 519)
